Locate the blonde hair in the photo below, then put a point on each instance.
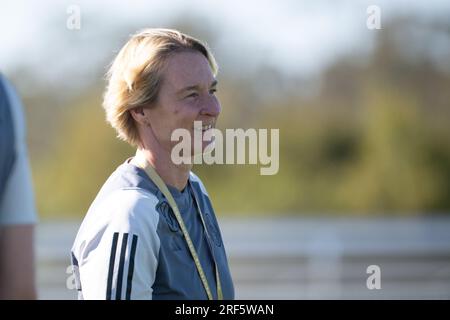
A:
(135, 75)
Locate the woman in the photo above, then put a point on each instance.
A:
(151, 232)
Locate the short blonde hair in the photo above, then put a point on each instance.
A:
(135, 75)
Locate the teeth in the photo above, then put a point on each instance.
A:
(205, 127)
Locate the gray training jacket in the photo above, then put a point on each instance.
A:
(130, 246)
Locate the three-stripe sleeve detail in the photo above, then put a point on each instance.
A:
(119, 264)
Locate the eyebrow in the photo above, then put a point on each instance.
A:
(196, 87)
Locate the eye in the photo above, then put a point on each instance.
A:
(192, 95)
(212, 91)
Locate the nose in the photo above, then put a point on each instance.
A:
(211, 107)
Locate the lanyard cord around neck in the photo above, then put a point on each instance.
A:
(151, 172)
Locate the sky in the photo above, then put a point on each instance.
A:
(293, 36)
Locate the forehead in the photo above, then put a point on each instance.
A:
(185, 69)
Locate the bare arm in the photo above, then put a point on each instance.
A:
(17, 275)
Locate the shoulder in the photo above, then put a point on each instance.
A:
(126, 210)
(15, 107)
(129, 205)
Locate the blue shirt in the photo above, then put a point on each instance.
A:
(16, 192)
(7, 152)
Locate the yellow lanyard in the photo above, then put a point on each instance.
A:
(151, 172)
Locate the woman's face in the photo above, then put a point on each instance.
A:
(187, 94)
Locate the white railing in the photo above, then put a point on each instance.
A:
(301, 258)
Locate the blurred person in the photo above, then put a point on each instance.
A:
(151, 232)
(17, 210)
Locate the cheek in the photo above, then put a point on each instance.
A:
(176, 110)
(185, 115)
(178, 117)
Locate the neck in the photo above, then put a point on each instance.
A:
(173, 175)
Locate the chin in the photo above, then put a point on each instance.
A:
(207, 148)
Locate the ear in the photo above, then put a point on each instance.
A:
(140, 116)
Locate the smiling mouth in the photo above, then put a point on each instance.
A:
(203, 128)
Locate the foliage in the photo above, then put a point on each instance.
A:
(373, 140)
